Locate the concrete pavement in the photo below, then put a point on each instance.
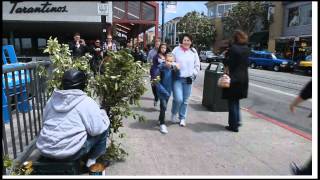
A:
(204, 147)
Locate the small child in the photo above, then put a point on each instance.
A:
(164, 88)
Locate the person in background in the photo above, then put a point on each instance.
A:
(187, 58)
(153, 51)
(77, 47)
(154, 70)
(236, 63)
(97, 55)
(167, 69)
(305, 94)
(109, 45)
(74, 126)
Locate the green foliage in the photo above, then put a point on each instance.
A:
(120, 86)
(200, 27)
(245, 16)
(115, 152)
(14, 169)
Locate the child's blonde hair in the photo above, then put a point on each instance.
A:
(170, 55)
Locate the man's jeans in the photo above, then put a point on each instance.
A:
(163, 108)
(94, 147)
(181, 94)
(234, 113)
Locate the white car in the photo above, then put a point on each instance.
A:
(207, 56)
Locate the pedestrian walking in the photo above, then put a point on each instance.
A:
(236, 63)
(97, 56)
(74, 126)
(153, 51)
(154, 69)
(187, 58)
(77, 46)
(305, 94)
(168, 69)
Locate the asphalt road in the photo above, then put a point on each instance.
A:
(270, 94)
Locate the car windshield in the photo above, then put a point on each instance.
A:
(308, 58)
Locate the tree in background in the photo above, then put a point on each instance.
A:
(200, 27)
(245, 16)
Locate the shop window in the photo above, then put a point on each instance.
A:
(26, 46)
(17, 46)
(42, 43)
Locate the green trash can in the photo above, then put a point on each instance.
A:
(212, 94)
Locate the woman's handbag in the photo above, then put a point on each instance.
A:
(224, 81)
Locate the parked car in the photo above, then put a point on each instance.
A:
(207, 56)
(305, 65)
(269, 60)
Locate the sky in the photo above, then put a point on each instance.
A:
(183, 7)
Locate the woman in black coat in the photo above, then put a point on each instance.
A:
(237, 63)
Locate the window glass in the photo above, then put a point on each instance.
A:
(213, 11)
(268, 56)
(305, 14)
(259, 56)
(293, 17)
(5, 41)
(220, 10)
(17, 46)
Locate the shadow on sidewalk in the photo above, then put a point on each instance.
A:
(147, 125)
(145, 109)
(205, 127)
(147, 98)
(198, 107)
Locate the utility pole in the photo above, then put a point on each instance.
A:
(162, 28)
(103, 27)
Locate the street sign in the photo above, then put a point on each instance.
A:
(105, 9)
(171, 6)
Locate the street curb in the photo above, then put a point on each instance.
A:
(291, 129)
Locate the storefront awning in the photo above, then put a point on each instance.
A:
(134, 17)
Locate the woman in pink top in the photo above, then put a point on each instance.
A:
(187, 58)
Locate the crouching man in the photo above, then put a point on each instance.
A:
(73, 124)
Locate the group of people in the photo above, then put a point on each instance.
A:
(74, 125)
(184, 65)
(98, 50)
(173, 72)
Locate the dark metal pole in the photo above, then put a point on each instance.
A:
(103, 27)
(162, 28)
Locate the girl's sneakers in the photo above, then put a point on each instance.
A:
(163, 129)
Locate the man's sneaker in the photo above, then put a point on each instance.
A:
(174, 119)
(155, 103)
(163, 129)
(183, 122)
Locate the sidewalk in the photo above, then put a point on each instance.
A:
(204, 147)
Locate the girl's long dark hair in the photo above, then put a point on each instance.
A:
(167, 48)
